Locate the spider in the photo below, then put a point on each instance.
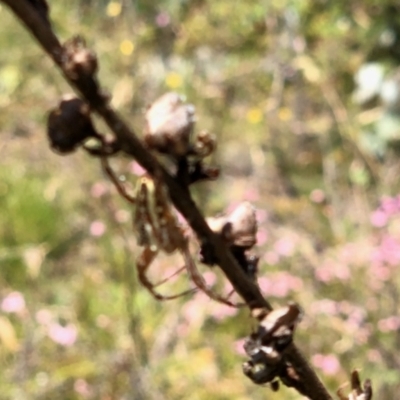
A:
(157, 229)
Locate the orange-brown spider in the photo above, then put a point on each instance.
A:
(157, 229)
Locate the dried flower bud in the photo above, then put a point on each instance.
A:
(266, 346)
(169, 125)
(259, 373)
(289, 315)
(239, 228)
(205, 144)
(274, 333)
(278, 325)
(357, 392)
(79, 60)
(69, 124)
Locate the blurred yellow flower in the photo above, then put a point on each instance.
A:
(126, 47)
(254, 115)
(173, 80)
(285, 114)
(114, 8)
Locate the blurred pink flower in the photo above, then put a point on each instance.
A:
(324, 306)
(356, 253)
(389, 324)
(63, 335)
(44, 316)
(330, 269)
(122, 216)
(262, 236)
(82, 388)
(251, 194)
(210, 278)
(136, 169)
(374, 356)
(98, 189)
(363, 334)
(97, 228)
(280, 284)
(324, 272)
(271, 257)
(317, 196)
(194, 310)
(183, 329)
(285, 246)
(342, 272)
(378, 219)
(262, 216)
(238, 345)
(380, 273)
(390, 250)
(345, 307)
(221, 311)
(162, 19)
(390, 205)
(355, 319)
(329, 363)
(14, 302)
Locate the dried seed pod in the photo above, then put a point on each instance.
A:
(69, 125)
(169, 125)
(289, 316)
(358, 392)
(260, 373)
(278, 325)
(239, 228)
(266, 346)
(205, 144)
(274, 333)
(78, 59)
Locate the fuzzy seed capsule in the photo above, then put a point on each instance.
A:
(69, 125)
(238, 228)
(169, 125)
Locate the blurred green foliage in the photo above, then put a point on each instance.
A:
(303, 97)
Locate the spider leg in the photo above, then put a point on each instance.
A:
(199, 281)
(178, 271)
(144, 261)
(115, 180)
(229, 295)
(104, 151)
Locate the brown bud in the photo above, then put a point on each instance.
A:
(239, 228)
(169, 125)
(69, 125)
(275, 331)
(205, 144)
(280, 321)
(357, 392)
(259, 373)
(79, 60)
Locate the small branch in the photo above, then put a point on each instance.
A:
(86, 84)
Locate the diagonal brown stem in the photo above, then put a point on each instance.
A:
(89, 89)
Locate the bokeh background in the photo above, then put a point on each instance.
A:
(303, 97)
